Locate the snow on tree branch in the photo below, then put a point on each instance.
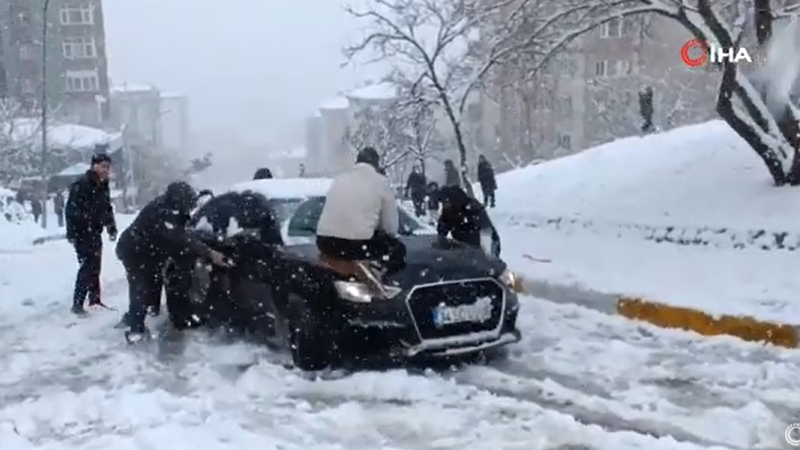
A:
(19, 143)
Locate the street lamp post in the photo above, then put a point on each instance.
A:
(44, 99)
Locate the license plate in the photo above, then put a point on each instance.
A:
(477, 312)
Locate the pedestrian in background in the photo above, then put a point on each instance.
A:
(87, 212)
(487, 181)
(58, 207)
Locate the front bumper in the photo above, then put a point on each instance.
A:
(389, 327)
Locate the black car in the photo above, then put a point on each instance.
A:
(450, 301)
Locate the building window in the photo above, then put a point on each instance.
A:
(79, 48)
(77, 15)
(601, 69)
(613, 28)
(27, 52)
(82, 81)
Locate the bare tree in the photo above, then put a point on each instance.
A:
(380, 126)
(758, 107)
(422, 133)
(19, 138)
(428, 40)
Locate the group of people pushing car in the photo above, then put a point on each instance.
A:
(359, 222)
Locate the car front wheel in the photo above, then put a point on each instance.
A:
(310, 345)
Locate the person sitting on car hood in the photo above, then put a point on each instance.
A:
(465, 220)
(157, 235)
(360, 219)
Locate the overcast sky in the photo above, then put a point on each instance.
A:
(251, 67)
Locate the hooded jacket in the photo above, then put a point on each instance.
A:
(466, 220)
(159, 231)
(359, 203)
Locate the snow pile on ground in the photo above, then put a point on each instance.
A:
(17, 228)
(699, 184)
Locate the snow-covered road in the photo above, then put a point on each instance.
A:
(579, 379)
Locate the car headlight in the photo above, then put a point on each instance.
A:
(354, 292)
(362, 293)
(512, 280)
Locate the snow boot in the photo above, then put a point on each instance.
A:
(79, 311)
(135, 337)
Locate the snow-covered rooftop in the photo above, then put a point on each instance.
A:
(61, 135)
(173, 95)
(379, 91)
(133, 88)
(336, 103)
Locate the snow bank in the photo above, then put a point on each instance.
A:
(699, 184)
(17, 228)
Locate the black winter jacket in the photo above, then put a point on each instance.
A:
(88, 209)
(416, 185)
(159, 232)
(465, 219)
(486, 176)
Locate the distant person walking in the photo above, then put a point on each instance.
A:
(451, 175)
(58, 207)
(415, 190)
(88, 211)
(487, 181)
(36, 209)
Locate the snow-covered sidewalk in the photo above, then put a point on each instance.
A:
(737, 282)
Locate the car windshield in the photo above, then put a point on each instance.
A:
(301, 215)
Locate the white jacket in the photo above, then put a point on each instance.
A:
(358, 203)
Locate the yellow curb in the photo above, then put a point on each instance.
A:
(746, 328)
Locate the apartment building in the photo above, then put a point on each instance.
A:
(589, 93)
(85, 62)
(73, 53)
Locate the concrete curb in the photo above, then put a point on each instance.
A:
(666, 316)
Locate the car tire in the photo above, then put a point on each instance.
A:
(310, 346)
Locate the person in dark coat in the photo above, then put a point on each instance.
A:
(159, 234)
(36, 209)
(263, 174)
(58, 206)
(465, 220)
(415, 190)
(451, 176)
(88, 211)
(432, 200)
(487, 181)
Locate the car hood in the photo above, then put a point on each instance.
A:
(429, 260)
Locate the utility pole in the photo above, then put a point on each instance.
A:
(44, 100)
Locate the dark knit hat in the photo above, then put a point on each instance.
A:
(369, 156)
(99, 158)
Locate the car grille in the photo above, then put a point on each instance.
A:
(426, 305)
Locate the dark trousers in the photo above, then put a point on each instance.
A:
(90, 258)
(385, 249)
(145, 284)
(60, 216)
(419, 204)
(488, 198)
